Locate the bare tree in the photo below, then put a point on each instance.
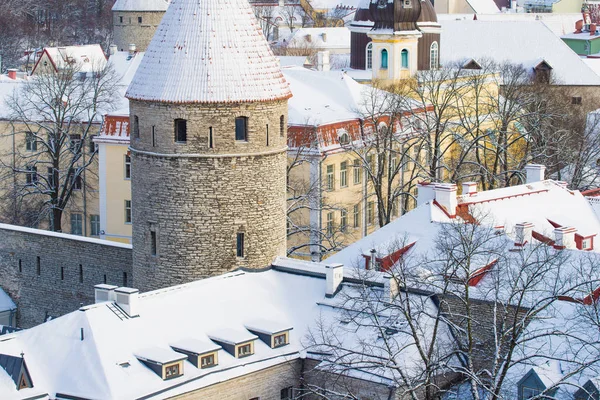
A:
(266, 19)
(54, 116)
(470, 313)
(291, 14)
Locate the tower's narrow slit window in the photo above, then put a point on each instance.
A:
(181, 130)
(241, 129)
(153, 136)
(136, 127)
(240, 244)
(38, 265)
(153, 243)
(62, 273)
(80, 273)
(267, 134)
(124, 278)
(281, 126)
(211, 144)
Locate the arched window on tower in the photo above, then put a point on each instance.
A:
(434, 56)
(384, 59)
(370, 56)
(241, 129)
(404, 56)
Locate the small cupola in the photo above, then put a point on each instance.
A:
(273, 334)
(201, 353)
(166, 363)
(238, 343)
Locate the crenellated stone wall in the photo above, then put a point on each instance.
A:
(69, 267)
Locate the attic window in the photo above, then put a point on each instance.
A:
(200, 353)
(17, 370)
(273, 334)
(167, 364)
(245, 349)
(208, 361)
(280, 340)
(344, 138)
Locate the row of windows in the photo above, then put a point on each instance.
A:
(75, 143)
(77, 224)
(181, 131)
(433, 57)
(32, 176)
(38, 271)
(371, 217)
(139, 19)
(356, 171)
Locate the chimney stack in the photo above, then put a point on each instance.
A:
(390, 289)
(132, 50)
(425, 192)
(324, 35)
(523, 233)
(334, 274)
(128, 299)
(12, 74)
(469, 188)
(535, 172)
(323, 61)
(104, 293)
(445, 195)
(113, 49)
(564, 237)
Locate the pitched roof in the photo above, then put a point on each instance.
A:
(210, 51)
(141, 5)
(87, 58)
(521, 42)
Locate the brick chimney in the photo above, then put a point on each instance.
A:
(445, 195)
(523, 233)
(469, 188)
(390, 289)
(425, 192)
(334, 274)
(535, 172)
(564, 237)
(12, 74)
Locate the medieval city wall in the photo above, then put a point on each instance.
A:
(49, 274)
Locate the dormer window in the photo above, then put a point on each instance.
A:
(237, 343)
(16, 368)
(244, 350)
(200, 353)
(165, 363)
(273, 334)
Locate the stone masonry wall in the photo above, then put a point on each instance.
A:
(58, 288)
(197, 199)
(131, 31)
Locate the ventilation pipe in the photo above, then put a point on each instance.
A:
(12, 74)
(523, 233)
(132, 49)
(469, 188)
(334, 275)
(113, 49)
(104, 293)
(128, 300)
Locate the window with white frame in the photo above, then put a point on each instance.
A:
(330, 178)
(30, 142)
(370, 56)
(31, 176)
(127, 166)
(370, 213)
(330, 223)
(95, 225)
(343, 219)
(434, 56)
(356, 216)
(357, 172)
(343, 174)
(127, 211)
(76, 224)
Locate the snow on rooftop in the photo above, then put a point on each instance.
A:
(159, 355)
(211, 51)
(141, 5)
(266, 326)
(483, 6)
(231, 335)
(6, 303)
(320, 38)
(195, 345)
(521, 42)
(87, 58)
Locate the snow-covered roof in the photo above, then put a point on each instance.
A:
(105, 365)
(6, 303)
(141, 5)
(320, 38)
(483, 6)
(86, 58)
(520, 42)
(209, 51)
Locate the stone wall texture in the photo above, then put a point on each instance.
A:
(130, 31)
(59, 288)
(197, 199)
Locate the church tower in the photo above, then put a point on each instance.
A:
(208, 115)
(135, 21)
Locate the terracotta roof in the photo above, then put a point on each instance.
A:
(210, 51)
(115, 127)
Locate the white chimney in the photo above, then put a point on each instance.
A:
(445, 195)
(469, 188)
(128, 300)
(535, 172)
(324, 36)
(425, 192)
(390, 289)
(523, 233)
(104, 292)
(132, 49)
(334, 275)
(564, 237)
(12, 74)
(113, 49)
(323, 61)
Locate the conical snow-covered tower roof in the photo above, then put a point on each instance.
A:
(208, 51)
(141, 5)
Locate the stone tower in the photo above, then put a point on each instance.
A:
(135, 21)
(208, 114)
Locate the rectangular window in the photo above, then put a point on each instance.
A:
(395, 208)
(80, 273)
(371, 165)
(127, 166)
(393, 164)
(135, 129)
(344, 174)
(529, 392)
(50, 172)
(125, 279)
(267, 134)
(181, 130)
(287, 393)
(76, 224)
(357, 173)
(30, 142)
(31, 176)
(281, 126)
(245, 350)
(153, 136)
(153, 243)
(344, 220)
(62, 273)
(210, 138)
(139, 20)
(330, 223)
(576, 100)
(280, 340)
(240, 244)
(356, 216)
(77, 181)
(241, 129)
(38, 265)
(95, 225)
(127, 211)
(207, 361)
(20, 266)
(330, 178)
(120, 20)
(370, 212)
(75, 143)
(171, 371)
